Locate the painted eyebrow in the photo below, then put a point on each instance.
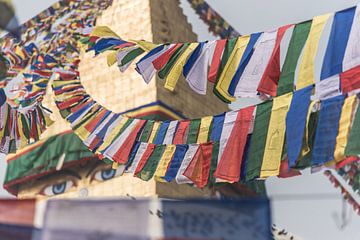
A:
(93, 167)
(62, 172)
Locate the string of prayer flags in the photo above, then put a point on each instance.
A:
(229, 147)
(346, 194)
(217, 24)
(243, 66)
(47, 48)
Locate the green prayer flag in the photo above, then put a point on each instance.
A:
(258, 140)
(167, 68)
(150, 167)
(297, 43)
(353, 144)
(213, 166)
(193, 131)
(147, 131)
(305, 161)
(131, 56)
(229, 47)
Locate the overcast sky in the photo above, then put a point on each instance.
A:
(309, 218)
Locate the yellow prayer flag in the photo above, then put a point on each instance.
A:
(154, 131)
(111, 58)
(275, 136)
(344, 127)
(230, 68)
(306, 70)
(145, 45)
(306, 148)
(103, 31)
(175, 72)
(164, 163)
(204, 129)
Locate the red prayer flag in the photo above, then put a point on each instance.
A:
(180, 132)
(122, 154)
(270, 79)
(90, 127)
(285, 172)
(350, 80)
(199, 167)
(229, 167)
(161, 61)
(216, 60)
(149, 150)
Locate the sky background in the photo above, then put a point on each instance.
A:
(302, 213)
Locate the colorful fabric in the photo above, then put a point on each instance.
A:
(258, 140)
(307, 66)
(270, 78)
(196, 75)
(199, 168)
(352, 52)
(275, 136)
(148, 171)
(338, 39)
(344, 127)
(256, 67)
(189, 156)
(230, 68)
(296, 121)
(353, 145)
(230, 163)
(327, 130)
(217, 24)
(350, 80)
(244, 61)
(297, 43)
(175, 163)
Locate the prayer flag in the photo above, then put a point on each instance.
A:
(275, 136)
(270, 78)
(229, 165)
(307, 66)
(258, 140)
(327, 130)
(344, 127)
(297, 42)
(338, 40)
(296, 122)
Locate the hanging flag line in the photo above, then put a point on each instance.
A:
(344, 192)
(217, 24)
(275, 138)
(45, 49)
(245, 66)
(350, 172)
